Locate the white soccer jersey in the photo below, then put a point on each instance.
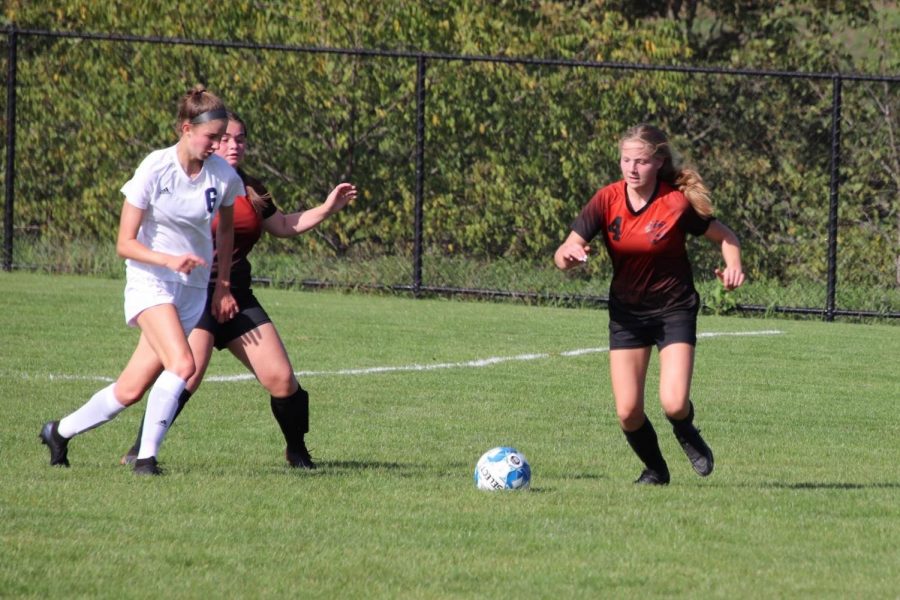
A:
(179, 211)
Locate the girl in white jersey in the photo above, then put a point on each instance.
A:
(165, 237)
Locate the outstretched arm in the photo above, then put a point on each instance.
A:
(732, 276)
(282, 225)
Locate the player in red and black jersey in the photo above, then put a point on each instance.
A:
(250, 335)
(644, 220)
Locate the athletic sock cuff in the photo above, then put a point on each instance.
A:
(688, 420)
(170, 383)
(113, 406)
(300, 394)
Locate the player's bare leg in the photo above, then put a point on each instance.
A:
(628, 372)
(264, 354)
(676, 367)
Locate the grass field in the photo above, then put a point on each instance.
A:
(802, 417)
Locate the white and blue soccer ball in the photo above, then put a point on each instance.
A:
(502, 468)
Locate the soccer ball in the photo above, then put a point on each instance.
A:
(502, 468)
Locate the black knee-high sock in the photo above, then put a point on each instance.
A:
(182, 400)
(292, 414)
(645, 444)
(686, 423)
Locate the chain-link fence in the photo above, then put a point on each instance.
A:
(470, 167)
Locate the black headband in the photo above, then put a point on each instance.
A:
(210, 115)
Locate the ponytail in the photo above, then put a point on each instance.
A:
(198, 106)
(689, 183)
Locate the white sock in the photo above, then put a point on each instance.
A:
(161, 406)
(102, 407)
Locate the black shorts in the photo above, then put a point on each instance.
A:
(671, 328)
(251, 315)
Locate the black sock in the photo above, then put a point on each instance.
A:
(182, 400)
(292, 414)
(645, 444)
(686, 423)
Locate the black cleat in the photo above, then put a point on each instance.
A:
(300, 459)
(653, 477)
(58, 445)
(146, 466)
(129, 457)
(697, 451)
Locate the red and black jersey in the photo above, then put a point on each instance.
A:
(651, 272)
(247, 229)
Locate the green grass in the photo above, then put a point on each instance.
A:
(803, 502)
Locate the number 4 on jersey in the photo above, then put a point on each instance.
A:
(615, 228)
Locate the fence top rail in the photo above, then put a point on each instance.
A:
(415, 55)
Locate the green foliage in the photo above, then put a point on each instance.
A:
(720, 302)
(512, 150)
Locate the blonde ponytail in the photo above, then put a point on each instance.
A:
(689, 183)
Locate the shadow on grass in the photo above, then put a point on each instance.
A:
(396, 468)
(594, 476)
(340, 467)
(813, 485)
(366, 465)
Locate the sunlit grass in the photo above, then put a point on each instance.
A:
(802, 422)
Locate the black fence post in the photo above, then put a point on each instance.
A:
(833, 197)
(11, 41)
(829, 312)
(420, 173)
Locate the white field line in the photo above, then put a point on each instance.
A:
(468, 364)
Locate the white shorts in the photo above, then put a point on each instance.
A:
(142, 293)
